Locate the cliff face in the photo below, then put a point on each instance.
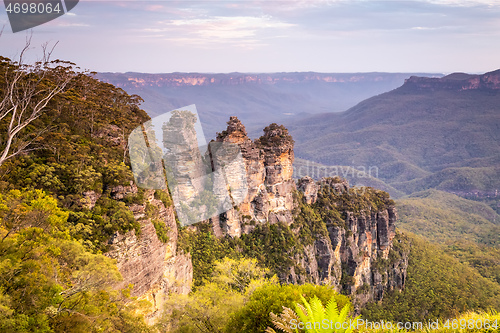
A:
(356, 256)
(153, 267)
(353, 249)
(457, 82)
(138, 80)
(268, 163)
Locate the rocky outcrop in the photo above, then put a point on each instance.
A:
(308, 186)
(119, 192)
(268, 163)
(355, 255)
(456, 81)
(183, 157)
(90, 198)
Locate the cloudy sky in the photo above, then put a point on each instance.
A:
(272, 36)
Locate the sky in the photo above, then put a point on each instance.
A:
(431, 36)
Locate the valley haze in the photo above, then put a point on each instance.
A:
(256, 98)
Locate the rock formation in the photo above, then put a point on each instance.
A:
(269, 170)
(358, 256)
(354, 257)
(355, 253)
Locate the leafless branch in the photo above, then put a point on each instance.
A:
(26, 92)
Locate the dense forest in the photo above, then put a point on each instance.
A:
(55, 277)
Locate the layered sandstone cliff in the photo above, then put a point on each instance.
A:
(154, 268)
(356, 256)
(269, 171)
(139, 80)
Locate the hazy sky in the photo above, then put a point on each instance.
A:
(272, 36)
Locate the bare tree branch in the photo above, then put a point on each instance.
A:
(26, 91)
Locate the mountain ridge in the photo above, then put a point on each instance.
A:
(256, 99)
(410, 132)
(177, 79)
(457, 81)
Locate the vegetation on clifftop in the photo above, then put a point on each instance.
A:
(62, 202)
(58, 209)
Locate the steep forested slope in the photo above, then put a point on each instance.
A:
(53, 277)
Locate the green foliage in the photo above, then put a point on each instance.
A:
(466, 228)
(350, 199)
(137, 198)
(273, 245)
(275, 136)
(310, 221)
(485, 259)
(205, 249)
(50, 282)
(107, 217)
(206, 310)
(437, 286)
(161, 230)
(254, 316)
(472, 322)
(444, 217)
(463, 179)
(209, 308)
(314, 312)
(117, 173)
(82, 150)
(242, 275)
(164, 197)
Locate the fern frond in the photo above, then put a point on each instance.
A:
(317, 310)
(332, 309)
(283, 322)
(343, 313)
(308, 307)
(279, 323)
(301, 312)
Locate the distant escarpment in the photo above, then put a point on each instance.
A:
(429, 133)
(457, 82)
(258, 99)
(320, 232)
(131, 79)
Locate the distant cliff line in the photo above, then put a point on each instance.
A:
(205, 79)
(457, 82)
